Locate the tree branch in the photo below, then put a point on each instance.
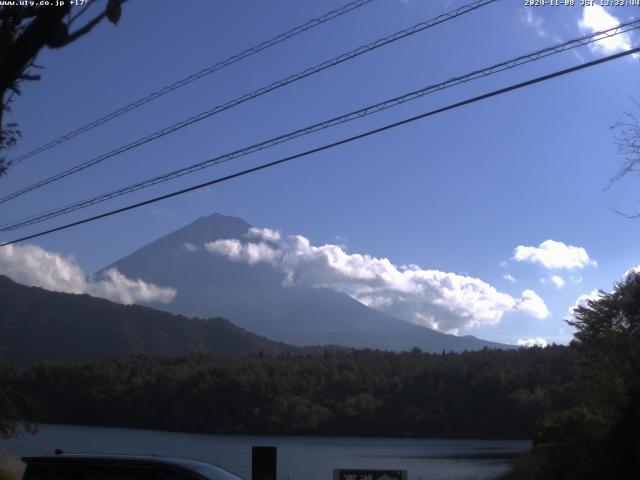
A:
(82, 11)
(85, 29)
(24, 31)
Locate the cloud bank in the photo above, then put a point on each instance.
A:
(444, 301)
(554, 255)
(35, 266)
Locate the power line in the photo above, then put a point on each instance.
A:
(369, 110)
(194, 76)
(261, 91)
(353, 138)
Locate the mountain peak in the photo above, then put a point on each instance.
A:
(221, 218)
(216, 225)
(202, 230)
(253, 295)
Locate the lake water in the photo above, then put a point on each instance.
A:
(299, 458)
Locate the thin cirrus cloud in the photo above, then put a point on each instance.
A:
(509, 277)
(531, 20)
(34, 266)
(444, 301)
(554, 255)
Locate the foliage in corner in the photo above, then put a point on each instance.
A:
(24, 31)
(627, 139)
(599, 436)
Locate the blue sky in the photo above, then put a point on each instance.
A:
(456, 193)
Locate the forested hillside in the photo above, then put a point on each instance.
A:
(489, 393)
(37, 324)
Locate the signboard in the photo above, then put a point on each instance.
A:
(353, 474)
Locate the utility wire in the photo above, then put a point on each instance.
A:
(193, 77)
(369, 110)
(261, 91)
(353, 138)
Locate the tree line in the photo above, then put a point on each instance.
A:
(488, 393)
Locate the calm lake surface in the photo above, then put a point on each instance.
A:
(299, 458)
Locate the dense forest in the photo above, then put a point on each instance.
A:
(490, 393)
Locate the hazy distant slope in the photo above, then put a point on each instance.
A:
(253, 296)
(36, 324)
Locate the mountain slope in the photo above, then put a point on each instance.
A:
(253, 296)
(36, 324)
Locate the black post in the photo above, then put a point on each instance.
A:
(264, 463)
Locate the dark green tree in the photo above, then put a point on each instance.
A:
(599, 436)
(8, 416)
(15, 408)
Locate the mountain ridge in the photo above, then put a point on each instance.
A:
(38, 325)
(253, 296)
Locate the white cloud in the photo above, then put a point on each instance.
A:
(633, 270)
(554, 255)
(594, 19)
(531, 303)
(264, 234)
(594, 294)
(509, 277)
(115, 286)
(533, 342)
(243, 252)
(35, 266)
(558, 281)
(581, 301)
(440, 300)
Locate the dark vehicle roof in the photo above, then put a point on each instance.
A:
(201, 469)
